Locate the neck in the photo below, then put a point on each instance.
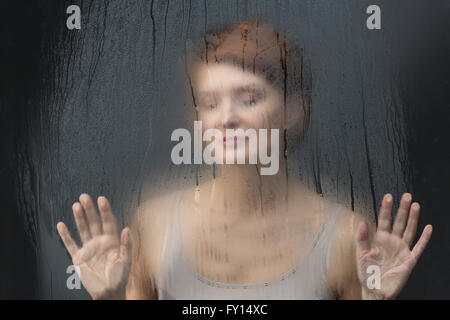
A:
(244, 180)
(240, 191)
(239, 196)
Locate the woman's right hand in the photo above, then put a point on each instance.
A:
(103, 262)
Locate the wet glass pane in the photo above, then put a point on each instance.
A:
(149, 107)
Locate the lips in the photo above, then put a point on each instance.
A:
(230, 141)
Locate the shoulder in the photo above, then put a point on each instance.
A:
(148, 228)
(149, 225)
(348, 222)
(156, 212)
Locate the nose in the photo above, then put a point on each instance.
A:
(229, 116)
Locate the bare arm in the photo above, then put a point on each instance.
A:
(148, 231)
(343, 268)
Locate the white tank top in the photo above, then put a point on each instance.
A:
(306, 280)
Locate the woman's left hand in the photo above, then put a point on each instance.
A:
(385, 263)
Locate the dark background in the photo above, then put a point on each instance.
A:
(405, 68)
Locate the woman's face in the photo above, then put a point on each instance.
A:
(229, 98)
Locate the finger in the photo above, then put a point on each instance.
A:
(80, 221)
(413, 221)
(384, 219)
(422, 243)
(402, 215)
(64, 233)
(362, 239)
(125, 245)
(108, 220)
(93, 219)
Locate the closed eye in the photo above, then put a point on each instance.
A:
(249, 96)
(208, 101)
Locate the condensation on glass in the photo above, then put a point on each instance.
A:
(138, 71)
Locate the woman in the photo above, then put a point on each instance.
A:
(244, 235)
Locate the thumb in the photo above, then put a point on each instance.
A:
(125, 245)
(362, 239)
